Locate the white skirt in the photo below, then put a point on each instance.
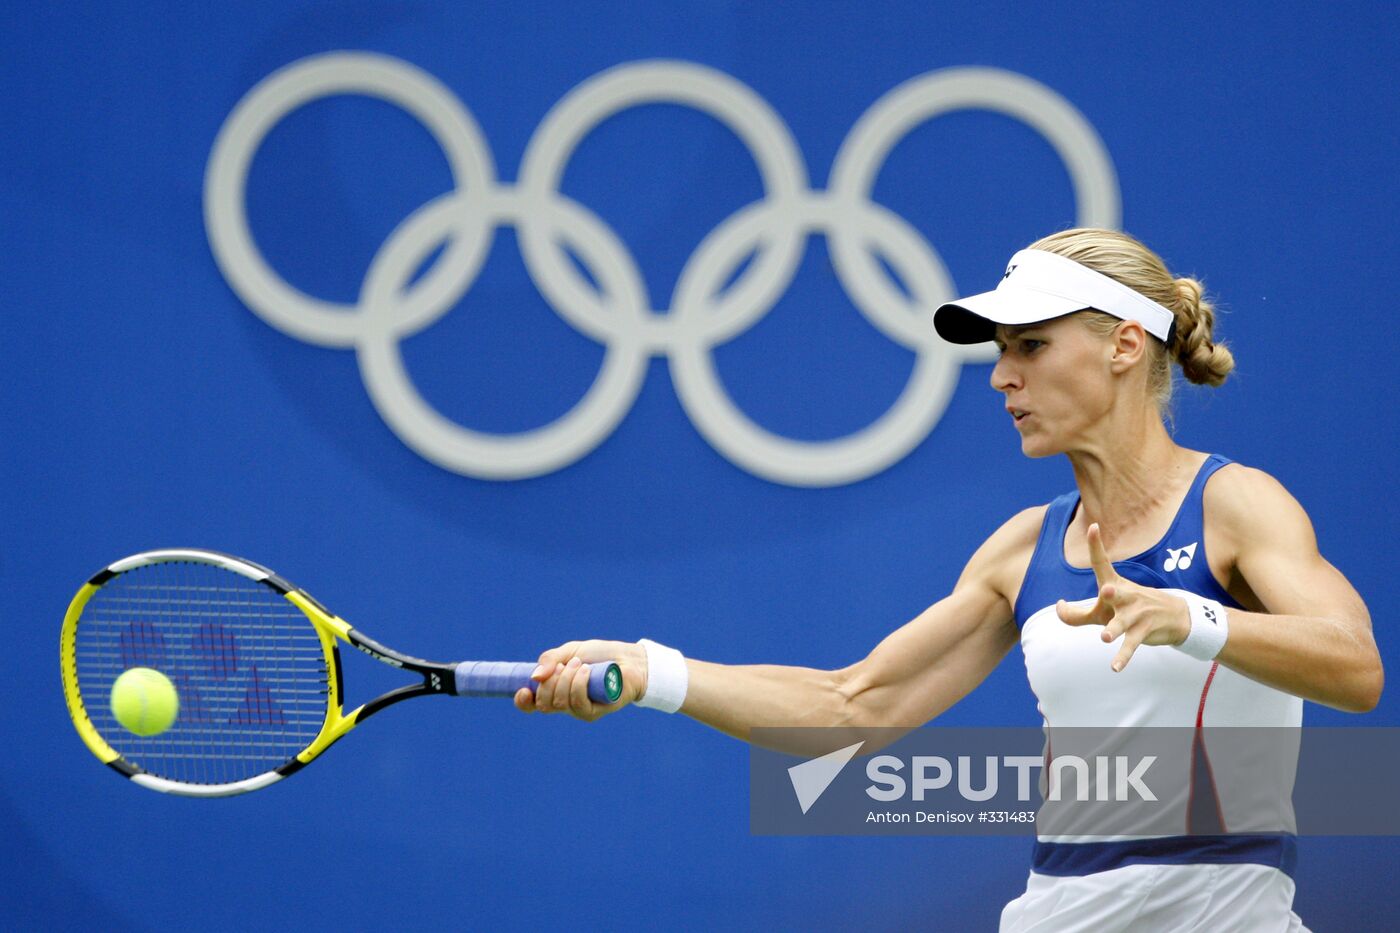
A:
(1149, 898)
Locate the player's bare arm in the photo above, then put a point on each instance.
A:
(916, 673)
(1311, 634)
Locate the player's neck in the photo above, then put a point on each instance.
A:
(1128, 478)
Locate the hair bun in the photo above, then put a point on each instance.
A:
(1202, 360)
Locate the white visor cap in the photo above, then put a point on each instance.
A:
(1039, 286)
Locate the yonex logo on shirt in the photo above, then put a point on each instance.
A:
(1180, 558)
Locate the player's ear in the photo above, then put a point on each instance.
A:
(1129, 346)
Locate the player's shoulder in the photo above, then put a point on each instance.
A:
(1022, 528)
(1005, 554)
(1018, 532)
(1244, 501)
(1244, 490)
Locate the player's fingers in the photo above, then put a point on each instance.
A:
(579, 703)
(525, 700)
(1131, 641)
(564, 684)
(1075, 613)
(544, 693)
(1098, 556)
(551, 659)
(1114, 623)
(1084, 612)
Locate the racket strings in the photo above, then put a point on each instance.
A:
(248, 667)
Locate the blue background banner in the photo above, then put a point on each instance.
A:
(736, 213)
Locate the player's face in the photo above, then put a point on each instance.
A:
(1056, 382)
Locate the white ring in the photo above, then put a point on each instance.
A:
(266, 293)
(478, 453)
(600, 97)
(889, 119)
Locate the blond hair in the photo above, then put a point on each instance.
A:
(1124, 259)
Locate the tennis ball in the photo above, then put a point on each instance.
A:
(145, 701)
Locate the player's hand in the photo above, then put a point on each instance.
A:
(562, 677)
(1141, 615)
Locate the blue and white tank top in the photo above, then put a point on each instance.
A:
(1232, 810)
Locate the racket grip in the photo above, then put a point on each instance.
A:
(505, 678)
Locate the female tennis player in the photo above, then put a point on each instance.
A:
(1170, 588)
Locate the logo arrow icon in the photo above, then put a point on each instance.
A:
(811, 778)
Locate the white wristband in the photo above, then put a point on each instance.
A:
(1210, 626)
(667, 678)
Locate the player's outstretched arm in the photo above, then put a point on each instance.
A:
(913, 675)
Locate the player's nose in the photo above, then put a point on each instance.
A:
(1004, 376)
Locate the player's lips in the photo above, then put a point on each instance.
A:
(1017, 414)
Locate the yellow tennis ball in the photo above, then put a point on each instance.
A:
(144, 701)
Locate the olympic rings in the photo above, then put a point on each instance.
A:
(617, 313)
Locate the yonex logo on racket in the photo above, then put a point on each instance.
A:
(702, 313)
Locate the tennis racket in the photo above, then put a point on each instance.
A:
(255, 662)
